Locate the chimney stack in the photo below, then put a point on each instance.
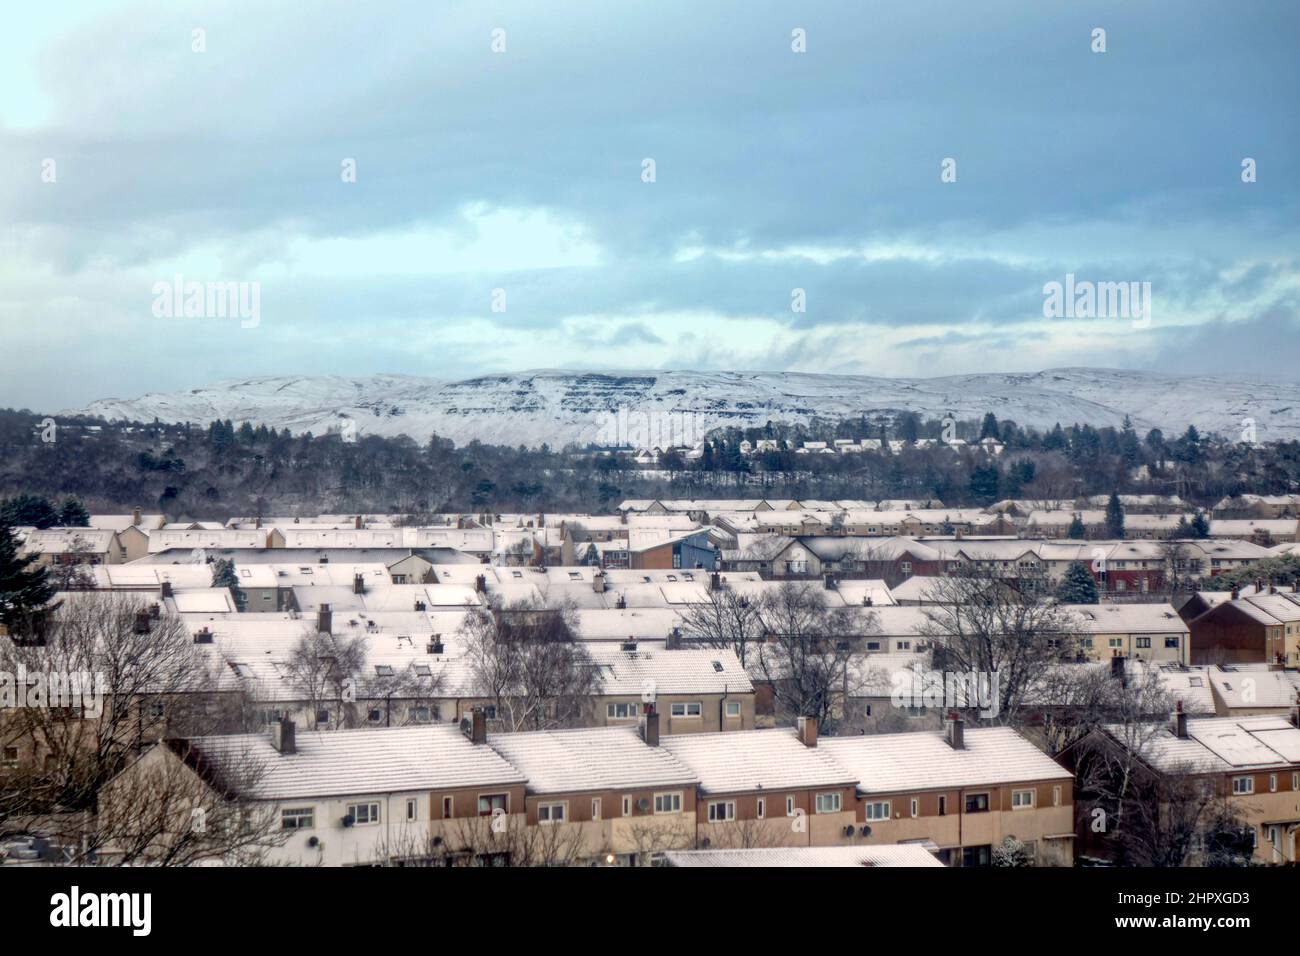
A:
(954, 730)
(1117, 666)
(203, 636)
(284, 736)
(165, 589)
(598, 582)
(1276, 664)
(1236, 593)
(808, 731)
(715, 581)
(475, 726)
(1180, 722)
(1295, 711)
(358, 523)
(650, 725)
(258, 523)
(480, 584)
(143, 623)
(324, 620)
(135, 517)
(358, 584)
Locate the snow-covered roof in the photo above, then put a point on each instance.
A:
(682, 671)
(357, 762)
(891, 763)
(589, 759)
(1222, 745)
(745, 761)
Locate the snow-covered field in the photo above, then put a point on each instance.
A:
(645, 408)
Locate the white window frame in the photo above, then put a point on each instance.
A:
(1017, 801)
(627, 806)
(412, 808)
(761, 809)
(1056, 796)
(668, 802)
(595, 808)
(733, 708)
(550, 807)
(1246, 790)
(373, 813)
(683, 709)
(629, 711)
(834, 801)
(878, 810)
(448, 807)
(298, 813)
(727, 813)
(789, 806)
(1272, 783)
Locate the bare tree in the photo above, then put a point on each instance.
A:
(726, 620)
(987, 624)
(116, 675)
(805, 654)
(322, 670)
(526, 660)
(174, 808)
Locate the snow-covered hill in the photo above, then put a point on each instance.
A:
(641, 408)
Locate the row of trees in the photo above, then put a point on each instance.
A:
(219, 469)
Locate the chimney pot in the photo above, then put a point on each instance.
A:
(475, 726)
(955, 730)
(284, 736)
(324, 620)
(808, 731)
(650, 726)
(358, 584)
(135, 516)
(1180, 722)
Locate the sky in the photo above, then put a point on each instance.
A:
(891, 199)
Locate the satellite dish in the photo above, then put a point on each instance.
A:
(643, 804)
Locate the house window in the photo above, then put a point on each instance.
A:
(620, 711)
(1243, 784)
(490, 711)
(916, 807)
(905, 567)
(1171, 642)
(733, 708)
(1295, 781)
(943, 805)
(904, 645)
(363, 814)
(10, 760)
(322, 716)
(722, 811)
(668, 803)
(447, 813)
(1144, 642)
(420, 715)
(627, 806)
(828, 803)
(595, 808)
(1022, 799)
(297, 818)
(550, 812)
(789, 806)
(878, 811)
(977, 856)
(1056, 796)
(686, 710)
(374, 715)
(1116, 642)
(490, 802)
(1272, 783)
(412, 808)
(762, 808)
(977, 802)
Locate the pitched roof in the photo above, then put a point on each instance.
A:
(899, 854)
(890, 763)
(745, 761)
(590, 758)
(368, 761)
